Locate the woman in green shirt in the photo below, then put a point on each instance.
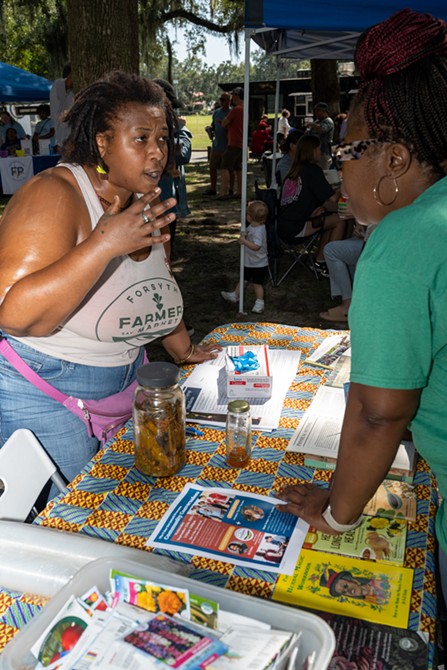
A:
(394, 165)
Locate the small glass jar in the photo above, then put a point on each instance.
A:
(238, 429)
(159, 420)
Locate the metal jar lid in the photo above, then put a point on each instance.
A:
(158, 374)
(238, 406)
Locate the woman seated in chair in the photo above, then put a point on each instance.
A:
(308, 202)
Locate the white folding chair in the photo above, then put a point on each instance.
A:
(25, 468)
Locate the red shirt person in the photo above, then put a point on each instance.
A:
(232, 157)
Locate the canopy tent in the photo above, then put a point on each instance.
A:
(323, 29)
(17, 85)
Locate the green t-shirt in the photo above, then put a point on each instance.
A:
(398, 321)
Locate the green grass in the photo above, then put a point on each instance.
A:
(196, 125)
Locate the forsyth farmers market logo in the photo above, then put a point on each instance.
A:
(149, 309)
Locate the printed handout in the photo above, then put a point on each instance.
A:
(206, 391)
(319, 429)
(242, 528)
(318, 432)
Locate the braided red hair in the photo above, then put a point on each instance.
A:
(403, 78)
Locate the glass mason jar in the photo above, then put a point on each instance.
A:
(238, 429)
(159, 420)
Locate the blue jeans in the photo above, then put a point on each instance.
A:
(63, 434)
(341, 258)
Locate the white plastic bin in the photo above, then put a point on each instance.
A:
(317, 635)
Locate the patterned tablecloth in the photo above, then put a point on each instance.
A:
(113, 501)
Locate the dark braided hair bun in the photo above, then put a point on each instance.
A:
(393, 45)
(403, 89)
(97, 106)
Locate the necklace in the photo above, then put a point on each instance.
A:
(106, 203)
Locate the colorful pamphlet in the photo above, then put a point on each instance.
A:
(149, 595)
(376, 539)
(175, 643)
(393, 499)
(380, 593)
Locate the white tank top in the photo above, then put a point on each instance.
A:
(131, 304)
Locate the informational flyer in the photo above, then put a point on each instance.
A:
(241, 528)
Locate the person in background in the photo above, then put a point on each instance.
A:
(288, 148)
(394, 172)
(256, 263)
(84, 280)
(8, 122)
(44, 130)
(261, 139)
(173, 182)
(219, 144)
(308, 201)
(341, 259)
(61, 99)
(11, 143)
(323, 128)
(173, 185)
(232, 157)
(283, 126)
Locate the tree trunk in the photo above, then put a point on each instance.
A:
(325, 84)
(103, 36)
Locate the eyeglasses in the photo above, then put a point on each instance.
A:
(351, 151)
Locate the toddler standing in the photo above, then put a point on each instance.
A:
(256, 259)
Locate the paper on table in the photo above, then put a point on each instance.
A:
(244, 529)
(330, 351)
(319, 430)
(206, 394)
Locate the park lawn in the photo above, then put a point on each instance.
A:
(196, 125)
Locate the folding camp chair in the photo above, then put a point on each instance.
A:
(25, 468)
(301, 254)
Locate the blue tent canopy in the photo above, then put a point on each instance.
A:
(323, 29)
(17, 85)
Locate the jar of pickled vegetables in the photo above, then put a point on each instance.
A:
(159, 420)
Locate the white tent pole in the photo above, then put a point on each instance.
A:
(275, 123)
(244, 164)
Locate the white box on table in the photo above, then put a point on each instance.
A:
(316, 636)
(253, 383)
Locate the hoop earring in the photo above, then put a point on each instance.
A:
(376, 193)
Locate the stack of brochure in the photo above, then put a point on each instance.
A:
(141, 624)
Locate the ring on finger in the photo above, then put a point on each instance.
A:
(146, 219)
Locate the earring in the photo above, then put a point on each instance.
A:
(100, 170)
(376, 192)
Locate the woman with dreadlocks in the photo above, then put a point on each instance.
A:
(394, 165)
(84, 281)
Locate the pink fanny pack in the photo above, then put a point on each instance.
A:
(103, 418)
